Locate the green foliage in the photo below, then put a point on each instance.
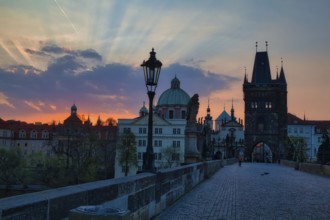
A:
(12, 165)
(127, 151)
(299, 148)
(323, 153)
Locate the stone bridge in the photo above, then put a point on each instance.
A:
(145, 195)
(252, 191)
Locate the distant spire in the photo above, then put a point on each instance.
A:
(267, 46)
(304, 117)
(257, 46)
(208, 106)
(232, 111)
(276, 72)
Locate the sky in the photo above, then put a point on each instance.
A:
(56, 53)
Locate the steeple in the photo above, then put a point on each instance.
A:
(232, 111)
(282, 76)
(208, 117)
(245, 76)
(261, 69)
(98, 121)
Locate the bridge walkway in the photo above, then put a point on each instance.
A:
(255, 191)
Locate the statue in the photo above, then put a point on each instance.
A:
(192, 111)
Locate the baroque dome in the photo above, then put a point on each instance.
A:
(174, 95)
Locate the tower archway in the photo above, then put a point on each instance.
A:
(262, 153)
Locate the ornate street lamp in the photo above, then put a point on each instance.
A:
(151, 69)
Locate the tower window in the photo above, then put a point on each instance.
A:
(268, 104)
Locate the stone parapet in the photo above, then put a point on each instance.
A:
(314, 168)
(143, 195)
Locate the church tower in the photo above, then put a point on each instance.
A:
(265, 101)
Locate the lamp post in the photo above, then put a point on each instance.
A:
(151, 69)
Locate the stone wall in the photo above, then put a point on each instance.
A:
(314, 168)
(144, 195)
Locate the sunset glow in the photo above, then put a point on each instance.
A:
(57, 53)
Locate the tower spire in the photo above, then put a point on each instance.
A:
(257, 46)
(282, 76)
(267, 46)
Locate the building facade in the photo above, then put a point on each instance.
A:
(169, 121)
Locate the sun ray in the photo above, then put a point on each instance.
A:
(67, 17)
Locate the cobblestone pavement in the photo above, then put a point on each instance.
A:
(255, 191)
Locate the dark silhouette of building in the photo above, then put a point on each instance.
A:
(265, 111)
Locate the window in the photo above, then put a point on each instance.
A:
(183, 114)
(268, 105)
(127, 130)
(158, 130)
(254, 104)
(140, 143)
(295, 130)
(158, 143)
(170, 114)
(144, 143)
(176, 131)
(45, 135)
(22, 134)
(301, 130)
(176, 143)
(139, 156)
(142, 130)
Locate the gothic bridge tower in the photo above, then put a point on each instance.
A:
(265, 111)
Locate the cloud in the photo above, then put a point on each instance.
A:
(4, 100)
(32, 105)
(112, 87)
(56, 50)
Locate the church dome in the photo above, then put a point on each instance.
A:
(174, 95)
(73, 107)
(143, 111)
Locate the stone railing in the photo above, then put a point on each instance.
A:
(144, 195)
(314, 168)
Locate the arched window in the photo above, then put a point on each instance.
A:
(22, 134)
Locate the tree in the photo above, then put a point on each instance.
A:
(171, 155)
(12, 165)
(323, 153)
(127, 151)
(300, 149)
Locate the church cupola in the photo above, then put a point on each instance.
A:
(143, 110)
(175, 83)
(73, 109)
